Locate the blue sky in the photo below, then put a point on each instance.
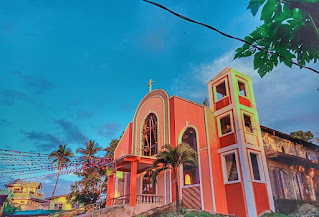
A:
(76, 70)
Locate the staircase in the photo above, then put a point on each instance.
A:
(191, 197)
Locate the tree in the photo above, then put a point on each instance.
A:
(89, 189)
(306, 136)
(61, 157)
(91, 149)
(111, 148)
(290, 29)
(9, 208)
(173, 158)
(93, 181)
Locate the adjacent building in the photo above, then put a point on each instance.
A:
(293, 167)
(25, 194)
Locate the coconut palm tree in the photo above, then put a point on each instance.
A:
(61, 156)
(173, 158)
(91, 149)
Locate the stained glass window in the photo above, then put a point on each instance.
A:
(149, 135)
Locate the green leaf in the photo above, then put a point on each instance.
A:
(254, 6)
(269, 10)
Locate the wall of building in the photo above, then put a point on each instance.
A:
(125, 145)
(188, 114)
(63, 200)
(297, 181)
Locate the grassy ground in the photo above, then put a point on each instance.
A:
(274, 215)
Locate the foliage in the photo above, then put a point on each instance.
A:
(93, 183)
(273, 215)
(61, 156)
(172, 158)
(111, 148)
(93, 179)
(306, 136)
(91, 149)
(290, 28)
(9, 208)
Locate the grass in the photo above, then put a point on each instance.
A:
(273, 215)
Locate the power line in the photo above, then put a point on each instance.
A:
(229, 36)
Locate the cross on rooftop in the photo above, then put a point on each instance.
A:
(150, 84)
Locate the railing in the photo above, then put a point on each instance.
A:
(148, 198)
(27, 193)
(125, 199)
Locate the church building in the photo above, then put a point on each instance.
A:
(232, 174)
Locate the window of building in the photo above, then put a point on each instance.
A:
(58, 206)
(242, 88)
(187, 180)
(221, 90)
(230, 167)
(248, 124)
(75, 206)
(149, 135)
(225, 124)
(281, 185)
(255, 165)
(148, 183)
(191, 173)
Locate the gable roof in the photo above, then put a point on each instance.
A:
(19, 182)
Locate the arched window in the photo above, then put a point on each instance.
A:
(148, 184)
(188, 180)
(191, 173)
(149, 135)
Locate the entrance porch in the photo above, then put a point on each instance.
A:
(130, 182)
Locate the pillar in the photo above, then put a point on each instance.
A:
(133, 183)
(110, 191)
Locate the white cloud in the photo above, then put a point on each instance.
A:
(285, 98)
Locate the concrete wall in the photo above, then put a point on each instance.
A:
(292, 182)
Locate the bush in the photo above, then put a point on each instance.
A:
(286, 206)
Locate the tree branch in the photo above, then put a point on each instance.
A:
(229, 36)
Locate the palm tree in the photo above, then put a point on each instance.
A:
(62, 158)
(172, 158)
(91, 149)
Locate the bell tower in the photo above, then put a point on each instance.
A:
(240, 146)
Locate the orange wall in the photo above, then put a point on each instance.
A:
(219, 188)
(235, 199)
(262, 202)
(125, 144)
(184, 111)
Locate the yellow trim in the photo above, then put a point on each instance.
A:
(230, 113)
(247, 89)
(215, 92)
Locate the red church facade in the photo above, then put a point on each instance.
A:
(231, 176)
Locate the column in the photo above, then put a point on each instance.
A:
(133, 183)
(109, 191)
